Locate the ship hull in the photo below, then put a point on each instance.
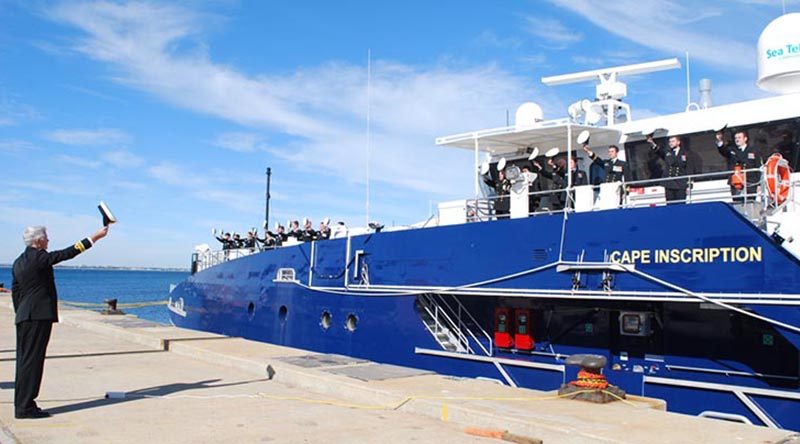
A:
(722, 298)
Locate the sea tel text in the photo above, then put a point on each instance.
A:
(687, 255)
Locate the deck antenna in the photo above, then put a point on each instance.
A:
(688, 84)
(369, 134)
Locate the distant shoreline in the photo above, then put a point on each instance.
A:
(111, 268)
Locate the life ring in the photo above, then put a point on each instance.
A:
(778, 177)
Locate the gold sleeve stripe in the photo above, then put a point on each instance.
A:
(79, 246)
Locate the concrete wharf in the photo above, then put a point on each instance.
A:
(175, 385)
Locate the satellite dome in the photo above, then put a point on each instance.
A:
(528, 114)
(779, 55)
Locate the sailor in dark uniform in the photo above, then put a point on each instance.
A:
(502, 188)
(236, 242)
(578, 176)
(744, 156)
(324, 230)
(557, 174)
(295, 231)
(267, 242)
(36, 306)
(678, 163)
(227, 242)
(250, 241)
(308, 233)
(615, 170)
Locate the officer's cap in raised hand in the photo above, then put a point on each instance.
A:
(552, 152)
(502, 164)
(583, 137)
(484, 168)
(720, 127)
(534, 154)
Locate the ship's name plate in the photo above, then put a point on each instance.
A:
(687, 255)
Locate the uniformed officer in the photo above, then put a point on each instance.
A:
(578, 177)
(502, 187)
(559, 178)
(250, 241)
(295, 231)
(744, 156)
(236, 242)
(36, 305)
(557, 174)
(678, 164)
(616, 170)
(308, 233)
(227, 242)
(324, 230)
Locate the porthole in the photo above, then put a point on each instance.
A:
(352, 322)
(251, 309)
(282, 312)
(325, 320)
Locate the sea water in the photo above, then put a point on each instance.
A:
(127, 286)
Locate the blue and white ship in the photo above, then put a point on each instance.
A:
(697, 303)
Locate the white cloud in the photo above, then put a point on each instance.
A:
(12, 112)
(241, 142)
(553, 33)
(78, 161)
(122, 159)
(491, 39)
(669, 26)
(16, 146)
(88, 137)
(322, 109)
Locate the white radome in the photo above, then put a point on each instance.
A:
(779, 55)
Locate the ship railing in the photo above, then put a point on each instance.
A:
(703, 187)
(456, 328)
(461, 310)
(210, 258)
(444, 324)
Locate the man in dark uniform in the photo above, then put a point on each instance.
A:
(295, 231)
(744, 156)
(678, 164)
(502, 188)
(616, 170)
(559, 178)
(324, 230)
(250, 241)
(226, 241)
(578, 177)
(36, 306)
(237, 242)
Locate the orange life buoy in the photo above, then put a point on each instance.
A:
(737, 178)
(778, 176)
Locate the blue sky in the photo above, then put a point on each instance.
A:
(171, 111)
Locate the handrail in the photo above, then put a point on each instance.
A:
(463, 342)
(760, 195)
(474, 321)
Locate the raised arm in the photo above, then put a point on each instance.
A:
(54, 257)
(595, 158)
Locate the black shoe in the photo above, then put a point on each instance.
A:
(35, 414)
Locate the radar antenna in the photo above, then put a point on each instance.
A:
(609, 92)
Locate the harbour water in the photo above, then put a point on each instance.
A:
(127, 286)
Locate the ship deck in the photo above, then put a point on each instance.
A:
(189, 386)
